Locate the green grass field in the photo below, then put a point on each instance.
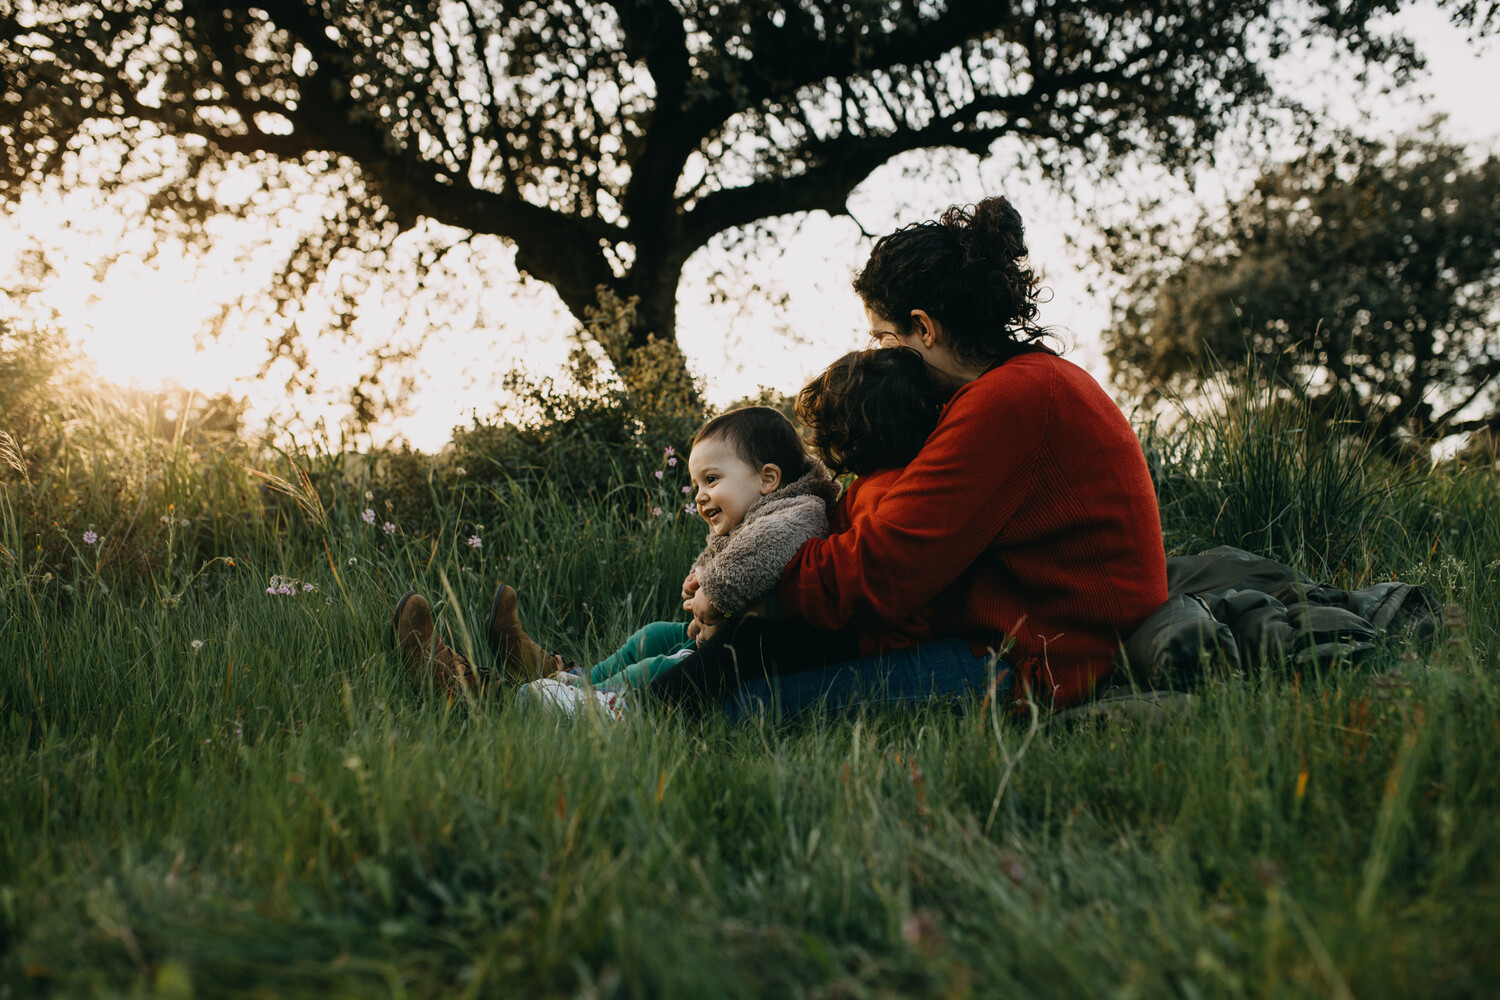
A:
(214, 790)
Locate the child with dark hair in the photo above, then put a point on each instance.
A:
(868, 414)
(870, 410)
(762, 496)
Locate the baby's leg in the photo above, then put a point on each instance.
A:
(653, 640)
(643, 671)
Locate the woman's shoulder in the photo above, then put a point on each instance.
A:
(1029, 382)
(1041, 369)
(1031, 398)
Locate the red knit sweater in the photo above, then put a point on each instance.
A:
(858, 502)
(1029, 515)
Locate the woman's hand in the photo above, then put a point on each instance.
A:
(702, 609)
(689, 587)
(700, 632)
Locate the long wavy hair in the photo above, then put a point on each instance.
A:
(970, 271)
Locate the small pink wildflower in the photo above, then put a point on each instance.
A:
(475, 541)
(690, 508)
(657, 473)
(687, 489)
(307, 588)
(90, 537)
(671, 460)
(369, 516)
(670, 451)
(390, 529)
(656, 512)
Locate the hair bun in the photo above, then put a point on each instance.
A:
(967, 269)
(989, 233)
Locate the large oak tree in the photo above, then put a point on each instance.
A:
(607, 141)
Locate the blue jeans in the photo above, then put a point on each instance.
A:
(945, 669)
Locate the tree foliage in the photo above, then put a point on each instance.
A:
(607, 140)
(1368, 272)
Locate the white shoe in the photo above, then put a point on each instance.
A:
(570, 699)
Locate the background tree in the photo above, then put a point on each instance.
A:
(607, 141)
(1366, 272)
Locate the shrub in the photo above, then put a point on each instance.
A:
(593, 427)
(1253, 466)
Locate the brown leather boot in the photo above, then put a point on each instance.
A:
(515, 653)
(424, 654)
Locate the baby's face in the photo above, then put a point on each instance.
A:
(726, 484)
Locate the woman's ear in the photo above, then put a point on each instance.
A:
(770, 477)
(925, 327)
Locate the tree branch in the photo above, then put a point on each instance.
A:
(842, 164)
(654, 35)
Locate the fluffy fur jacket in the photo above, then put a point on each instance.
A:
(735, 569)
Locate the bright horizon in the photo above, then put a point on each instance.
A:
(139, 325)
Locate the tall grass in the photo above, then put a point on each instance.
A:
(1254, 466)
(240, 793)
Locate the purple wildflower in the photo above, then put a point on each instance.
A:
(369, 516)
(657, 473)
(671, 460)
(475, 541)
(656, 512)
(390, 529)
(90, 537)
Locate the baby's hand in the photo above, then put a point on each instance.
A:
(699, 631)
(690, 586)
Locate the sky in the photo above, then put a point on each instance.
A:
(142, 322)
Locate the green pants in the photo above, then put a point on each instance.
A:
(646, 654)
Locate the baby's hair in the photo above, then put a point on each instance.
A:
(871, 409)
(760, 435)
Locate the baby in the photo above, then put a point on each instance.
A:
(762, 496)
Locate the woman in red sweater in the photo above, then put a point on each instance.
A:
(1028, 520)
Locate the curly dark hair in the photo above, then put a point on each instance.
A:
(871, 409)
(759, 435)
(969, 271)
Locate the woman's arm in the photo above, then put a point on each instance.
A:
(936, 518)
